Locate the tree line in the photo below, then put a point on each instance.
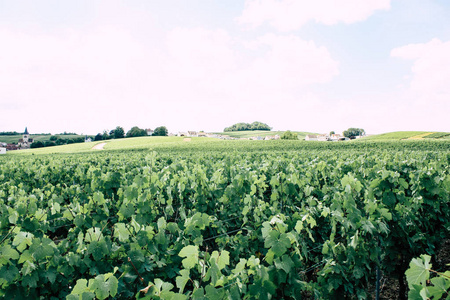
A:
(116, 133)
(135, 131)
(246, 126)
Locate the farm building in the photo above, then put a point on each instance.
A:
(311, 137)
(2, 150)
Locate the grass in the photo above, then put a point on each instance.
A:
(71, 148)
(262, 133)
(438, 135)
(119, 144)
(399, 135)
(202, 143)
(151, 142)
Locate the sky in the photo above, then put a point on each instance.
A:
(87, 66)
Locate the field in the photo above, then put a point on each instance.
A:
(165, 218)
(262, 133)
(36, 137)
(403, 135)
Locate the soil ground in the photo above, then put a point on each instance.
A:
(99, 146)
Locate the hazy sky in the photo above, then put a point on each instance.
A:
(85, 66)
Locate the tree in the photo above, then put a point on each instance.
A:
(352, 132)
(160, 131)
(61, 141)
(136, 131)
(259, 126)
(119, 132)
(49, 144)
(105, 135)
(289, 135)
(98, 137)
(37, 144)
(245, 126)
(53, 138)
(332, 132)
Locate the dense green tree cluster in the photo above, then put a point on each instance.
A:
(161, 131)
(136, 131)
(354, 132)
(56, 141)
(289, 135)
(246, 126)
(10, 133)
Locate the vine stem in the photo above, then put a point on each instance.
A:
(140, 277)
(6, 236)
(439, 273)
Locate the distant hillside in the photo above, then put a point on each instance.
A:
(262, 133)
(37, 137)
(408, 135)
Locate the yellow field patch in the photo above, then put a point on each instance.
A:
(420, 136)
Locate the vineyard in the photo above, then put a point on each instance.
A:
(221, 220)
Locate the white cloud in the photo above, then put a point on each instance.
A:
(287, 15)
(425, 99)
(87, 80)
(290, 62)
(431, 66)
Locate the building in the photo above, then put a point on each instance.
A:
(25, 142)
(311, 137)
(323, 138)
(11, 147)
(149, 131)
(193, 133)
(2, 150)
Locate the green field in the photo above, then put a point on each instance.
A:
(120, 144)
(182, 142)
(262, 133)
(170, 144)
(403, 135)
(169, 218)
(9, 139)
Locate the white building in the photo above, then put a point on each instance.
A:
(193, 133)
(311, 137)
(323, 137)
(2, 150)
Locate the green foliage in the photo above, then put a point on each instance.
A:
(438, 135)
(118, 133)
(100, 287)
(281, 220)
(419, 283)
(160, 131)
(351, 132)
(288, 135)
(136, 131)
(246, 126)
(37, 144)
(98, 137)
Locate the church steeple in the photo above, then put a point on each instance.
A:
(26, 131)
